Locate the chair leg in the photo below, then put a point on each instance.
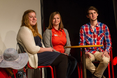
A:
(112, 71)
(52, 72)
(81, 70)
(111, 55)
(109, 73)
(79, 74)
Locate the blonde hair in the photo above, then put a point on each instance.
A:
(51, 19)
(25, 22)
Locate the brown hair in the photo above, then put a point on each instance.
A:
(25, 22)
(91, 8)
(51, 19)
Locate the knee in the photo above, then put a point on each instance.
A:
(64, 57)
(75, 62)
(88, 62)
(72, 60)
(105, 60)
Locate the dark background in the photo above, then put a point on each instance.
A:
(73, 13)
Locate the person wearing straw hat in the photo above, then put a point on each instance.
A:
(10, 60)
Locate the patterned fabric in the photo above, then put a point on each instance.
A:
(100, 35)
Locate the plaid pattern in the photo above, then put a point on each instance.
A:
(99, 36)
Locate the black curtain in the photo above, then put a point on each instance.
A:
(73, 14)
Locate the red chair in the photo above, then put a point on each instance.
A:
(80, 71)
(115, 61)
(14, 72)
(21, 50)
(52, 72)
(112, 67)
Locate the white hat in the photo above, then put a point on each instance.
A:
(11, 59)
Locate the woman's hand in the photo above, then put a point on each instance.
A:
(65, 54)
(50, 49)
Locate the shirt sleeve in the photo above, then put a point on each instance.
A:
(82, 38)
(47, 38)
(27, 39)
(67, 50)
(108, 42)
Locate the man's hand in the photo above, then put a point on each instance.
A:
(87, 55)
(105, 53)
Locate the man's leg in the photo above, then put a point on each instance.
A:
(89, 65)
(102, 65)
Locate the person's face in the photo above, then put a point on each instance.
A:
(56, 20)
(32, 18)
(92, 15)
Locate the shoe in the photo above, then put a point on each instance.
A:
(93, 76)
(103, 76)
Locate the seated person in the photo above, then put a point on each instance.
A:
(96, 33)
(29, 37)
(57, 37)
(10, 60)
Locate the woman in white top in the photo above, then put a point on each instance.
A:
(29, 37)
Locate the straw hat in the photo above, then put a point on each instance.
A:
(11, 59)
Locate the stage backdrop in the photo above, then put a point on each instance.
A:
(11, 12)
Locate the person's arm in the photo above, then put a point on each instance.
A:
(46, 49)
(82, 37)
(47, 38)
(108, 42)
(67, 50)
(27, 39)
(83, 41)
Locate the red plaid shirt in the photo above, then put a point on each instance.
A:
(99, 36)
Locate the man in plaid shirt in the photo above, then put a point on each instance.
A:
(96, 33)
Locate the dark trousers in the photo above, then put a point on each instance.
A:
(72, 63)
(61, 65)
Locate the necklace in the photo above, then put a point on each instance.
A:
(58, 35)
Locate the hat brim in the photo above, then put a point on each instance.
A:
(17, 64)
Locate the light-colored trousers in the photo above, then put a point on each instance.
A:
(97, 71)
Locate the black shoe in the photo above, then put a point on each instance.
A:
(93, 76)
(103, 76)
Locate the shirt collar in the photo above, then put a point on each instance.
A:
(97, 25)
(56, 30)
